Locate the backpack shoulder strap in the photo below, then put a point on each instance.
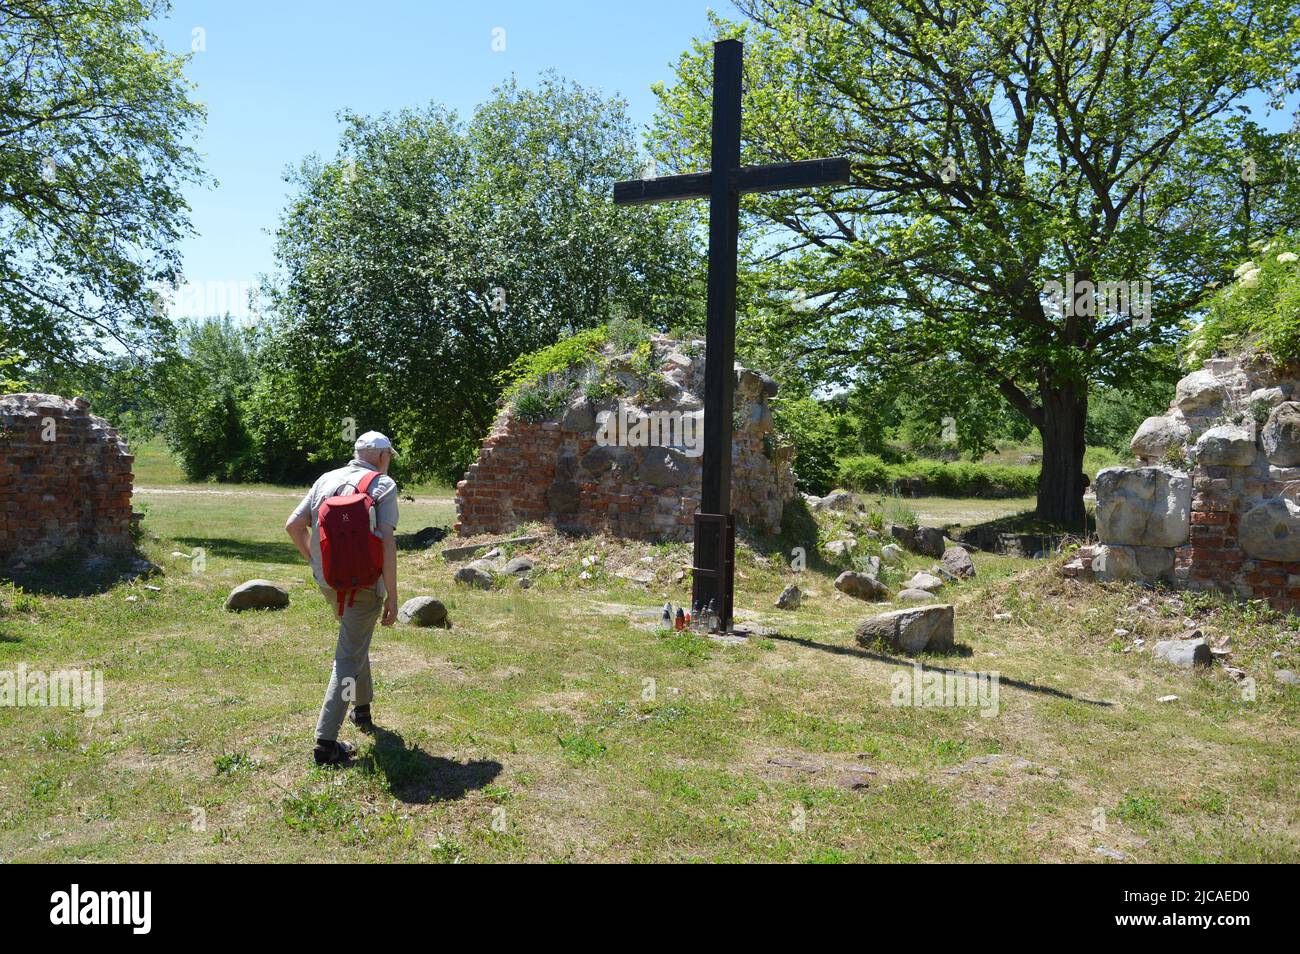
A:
(363, 485)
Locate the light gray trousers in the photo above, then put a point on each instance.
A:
(350, 677)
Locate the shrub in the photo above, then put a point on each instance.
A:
(959, 479)
(1259, 309)
(807, 425)
(538, 401)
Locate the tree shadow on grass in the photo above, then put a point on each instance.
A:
(1003, 679)
(417, 778)
(251, 551)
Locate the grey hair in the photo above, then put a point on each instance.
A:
(371, 455)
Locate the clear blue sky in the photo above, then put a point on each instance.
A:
(274, 74)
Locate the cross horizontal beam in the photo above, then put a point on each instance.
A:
(694, 185)
(806, 174)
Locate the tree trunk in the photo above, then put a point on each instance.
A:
(1062, 481)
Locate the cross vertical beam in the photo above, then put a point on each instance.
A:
(714, 546)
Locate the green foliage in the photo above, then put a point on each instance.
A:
(95, 148)
(996, 149)
(1259, 310)
(1114, 415)
(811, 428)
(560, 358)
(431, 254)
(537, 401)
(10, 364)
(207, 386)
(957, 479)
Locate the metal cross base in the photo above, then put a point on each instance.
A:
(733, 637)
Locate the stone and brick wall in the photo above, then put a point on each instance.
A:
(574, 472)
(65, 480)
(1216, 504)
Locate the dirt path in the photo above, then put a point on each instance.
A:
(288, 494)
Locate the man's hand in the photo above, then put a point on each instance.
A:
(390, 610)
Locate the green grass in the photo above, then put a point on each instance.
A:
(551, 724)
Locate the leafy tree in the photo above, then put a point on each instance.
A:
(204, 387)
(431, 253)
(94, 121)
(998, 147)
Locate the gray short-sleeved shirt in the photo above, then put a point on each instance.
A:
(344, 480)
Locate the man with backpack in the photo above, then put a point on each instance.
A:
(344, 528)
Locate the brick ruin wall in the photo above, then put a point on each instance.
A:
(65, 480)
(574, 472)
(1216, 502)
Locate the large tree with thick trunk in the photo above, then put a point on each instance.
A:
(999, 148)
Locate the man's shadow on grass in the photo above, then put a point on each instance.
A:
(417, 778)
(960, 650)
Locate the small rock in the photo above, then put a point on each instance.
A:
(476, 574)
(1002, 617)
(927, 541)
(1184, 653)
(422, 611)
(840, 548)
(257, 594)
(912, 595)
(869, 565)
(518, 566)
(1110, 853)
(1167, 699)
(892, 554)
(1286, 677)
(924, 581)
(958, 562)
(861, 585)
(790, 598)
(636, 575)
(1120, 633)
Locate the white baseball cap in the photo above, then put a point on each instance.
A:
(373, 440)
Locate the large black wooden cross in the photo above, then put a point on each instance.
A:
(713, 580)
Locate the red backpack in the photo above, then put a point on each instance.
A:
(351, 556)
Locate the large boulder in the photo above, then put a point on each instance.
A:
(841, 501)
(861, 585)
(1271, 531)
(1281, 435)
(662, 467)
(1117, 563)
(910, 630)
(580, 416)
(927, 541)
(958, 562)
(1199, 391)
(1226, 446)
(1157, 436)
(1143, 506)
(257, 594)
(423, 611)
